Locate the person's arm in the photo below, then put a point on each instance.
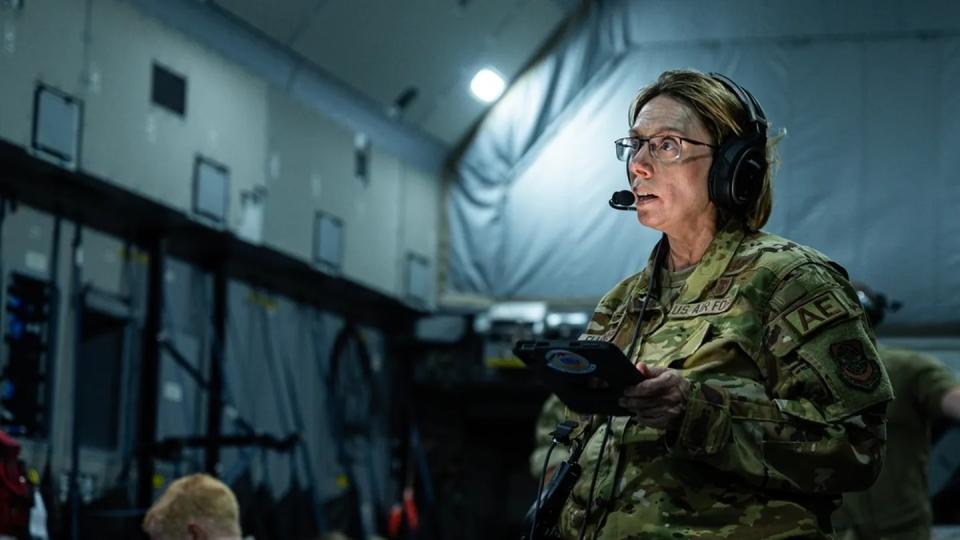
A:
(936, 388)
(818, 423)
(950, 404)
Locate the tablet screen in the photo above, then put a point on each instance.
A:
(588, 376)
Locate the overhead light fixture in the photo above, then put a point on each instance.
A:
(487, 85)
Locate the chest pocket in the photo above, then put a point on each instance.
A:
(674, 342)
(687, 328)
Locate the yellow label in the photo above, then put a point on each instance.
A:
(158, 481)
(815, 313)
(263, 300)
(342, 481)
(495, 362)
(134, 255)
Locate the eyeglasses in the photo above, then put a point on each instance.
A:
(662, 147)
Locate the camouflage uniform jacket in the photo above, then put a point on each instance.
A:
(786, 403)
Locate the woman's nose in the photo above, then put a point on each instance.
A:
(640, 164)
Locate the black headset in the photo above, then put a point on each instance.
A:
(739, 165)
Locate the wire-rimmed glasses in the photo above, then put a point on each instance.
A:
(661, 147)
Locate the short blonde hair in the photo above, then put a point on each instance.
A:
(199, 499)
(722, 115)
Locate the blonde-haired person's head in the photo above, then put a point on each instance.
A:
(723, 115)
(197, 506)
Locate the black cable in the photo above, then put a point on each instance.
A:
(618, 469)
(596, 473)
(78, 299)
(660, 252)
(543, 475)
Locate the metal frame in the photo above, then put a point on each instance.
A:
(199, 161)
(411, 259)
(45, 150)
(217, 351)
(330, 266)
(150, 372)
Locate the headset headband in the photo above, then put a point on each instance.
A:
(755, 114)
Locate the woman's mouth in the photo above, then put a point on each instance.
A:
(644, 198)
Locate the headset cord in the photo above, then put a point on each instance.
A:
(543, 475)
(620, 465)
(658, 258)
(596, 473)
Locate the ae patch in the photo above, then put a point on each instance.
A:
(816, 313)
(854, 366)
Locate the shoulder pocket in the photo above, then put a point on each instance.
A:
(846, 360)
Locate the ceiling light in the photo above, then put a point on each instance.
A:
(487, 85)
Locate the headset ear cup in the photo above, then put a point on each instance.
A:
(736, 174)
(747, 178)
(720, 179)
(715, 179)
(740, 164)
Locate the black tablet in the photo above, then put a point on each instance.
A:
(588, 376)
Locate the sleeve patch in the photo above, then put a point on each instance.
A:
(847, 368)
(854, 366)
(812, 315)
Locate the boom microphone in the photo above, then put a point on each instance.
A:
(623, 200)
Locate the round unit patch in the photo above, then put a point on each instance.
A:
(569, 362)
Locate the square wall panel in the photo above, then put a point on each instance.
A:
(211, 190)
(56, 125)
(328, 242)
(417, 288)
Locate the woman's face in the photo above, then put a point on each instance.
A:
(672, 196)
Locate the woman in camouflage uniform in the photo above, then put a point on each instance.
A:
(764, 400)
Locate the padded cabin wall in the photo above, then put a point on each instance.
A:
(422, 197)
(311, 168)
(105, 57)
(149, 149)
(182, 407)
(276, 378)
(263, 134)
(41, 42)
(852, 83)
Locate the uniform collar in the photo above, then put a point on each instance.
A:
(716, 259)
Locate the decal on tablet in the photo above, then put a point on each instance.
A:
(569, 362)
